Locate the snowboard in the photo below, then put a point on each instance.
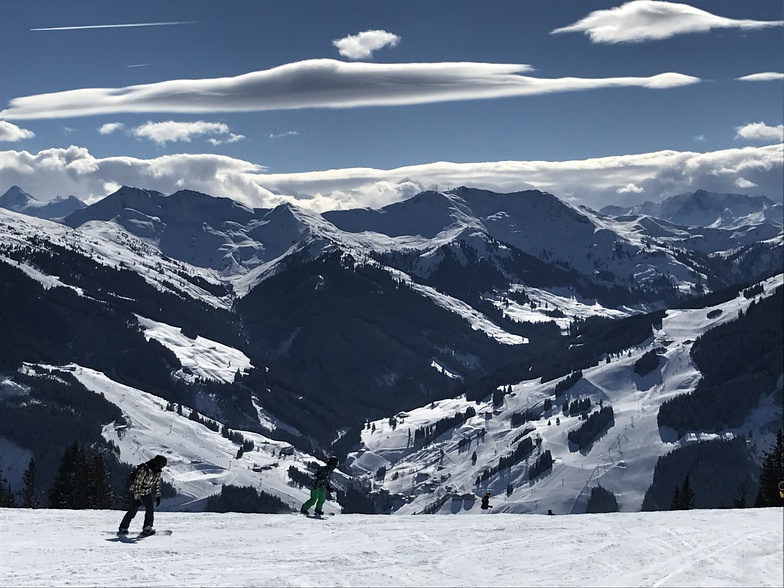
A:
(134, 538)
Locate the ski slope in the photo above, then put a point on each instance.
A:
(622, 459)
(677, 548)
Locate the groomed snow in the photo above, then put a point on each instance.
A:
(680, 548)
(203, 358)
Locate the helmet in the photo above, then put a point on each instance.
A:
(159, 462)
(332, 461)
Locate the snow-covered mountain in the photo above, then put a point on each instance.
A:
(314, 332)
(606, 256)
(59, 207)
(709, 210)
(446, 474)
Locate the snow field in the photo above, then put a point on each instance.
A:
(683, 548)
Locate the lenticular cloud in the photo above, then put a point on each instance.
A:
(653, 20)
(321, 83)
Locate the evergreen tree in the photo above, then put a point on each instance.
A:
(683, 497)
(6, 494)
(601, 500)
(29, 497)
(100, 493)
(687, 495)
(676, 499)
(772, 474)
(69, 489)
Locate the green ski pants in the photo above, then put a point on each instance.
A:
(317, 497)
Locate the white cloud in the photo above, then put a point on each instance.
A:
(11, 133)
(232, 138)
(760, 132)
(744, 183)
(171, 131)
(322, 83)
(653, 20)
(594, 182)
(281, 135)
(699, 138)
(362, 45)
(765, 76)
(110, 128)
(630, 189)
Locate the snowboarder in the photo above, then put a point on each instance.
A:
(486, 501)
(320, 487)
(146, 481)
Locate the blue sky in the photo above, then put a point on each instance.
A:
(361, 103)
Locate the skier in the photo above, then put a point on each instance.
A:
(320, 487)
(486, 501)
(146, 482)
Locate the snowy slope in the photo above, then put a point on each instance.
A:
(107, 244)
(622, 461)
(680, 548)
(200, 460)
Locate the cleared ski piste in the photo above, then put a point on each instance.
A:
(680, 548)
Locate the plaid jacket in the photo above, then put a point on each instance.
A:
(321, 479)
(146, 482)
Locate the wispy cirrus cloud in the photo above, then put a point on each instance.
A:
(760, 132)
(765, 76)
(322, 83)
(11, 133)
(115, 26)
(652, 20)
(363, 45)
(282, 135)
(594, 182)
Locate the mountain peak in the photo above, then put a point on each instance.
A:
(702, 208)
(16, 199)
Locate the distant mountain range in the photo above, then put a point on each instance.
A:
(708, 209)
(307, 329)
(18, 200)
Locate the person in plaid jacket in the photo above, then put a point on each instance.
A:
(145, 484)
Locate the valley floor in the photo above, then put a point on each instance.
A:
(682, 548)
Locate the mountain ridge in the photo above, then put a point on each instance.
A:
(346, 330)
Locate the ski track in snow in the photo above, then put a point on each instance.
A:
(741, 547)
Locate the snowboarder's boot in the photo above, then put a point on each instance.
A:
(147, 531)
(303, 511)
(319, 512)
(122, 532)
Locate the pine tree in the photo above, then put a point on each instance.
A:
(676, 499)
(6, 494)
(772, 474)
(100, 494)
(687, 495)
(69, 489)
(683, 498)
(29, 497)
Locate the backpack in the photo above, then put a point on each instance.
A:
(132, 476)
